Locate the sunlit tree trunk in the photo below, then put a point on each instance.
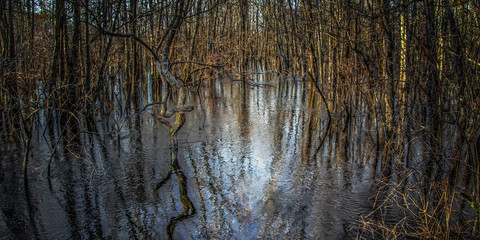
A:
(402, 94)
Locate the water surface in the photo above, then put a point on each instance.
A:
(251, 156)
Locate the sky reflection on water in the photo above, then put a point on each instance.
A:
(257, 174)
(250, 158)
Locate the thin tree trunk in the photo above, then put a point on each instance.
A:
(432, 89)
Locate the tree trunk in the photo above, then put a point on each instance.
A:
(431, 90)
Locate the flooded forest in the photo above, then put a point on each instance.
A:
(239, 119)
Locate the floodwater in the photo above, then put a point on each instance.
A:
(252, 160)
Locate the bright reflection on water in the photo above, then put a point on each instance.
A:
(255, 171)
(252, 158)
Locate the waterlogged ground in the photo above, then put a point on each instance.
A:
(253, 165)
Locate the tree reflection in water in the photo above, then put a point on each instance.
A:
(188, 208)
(250, 162)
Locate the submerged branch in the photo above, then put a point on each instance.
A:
(169, 113)
(199, 63)
(188, 208)
(251, 83)
(179, 109)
